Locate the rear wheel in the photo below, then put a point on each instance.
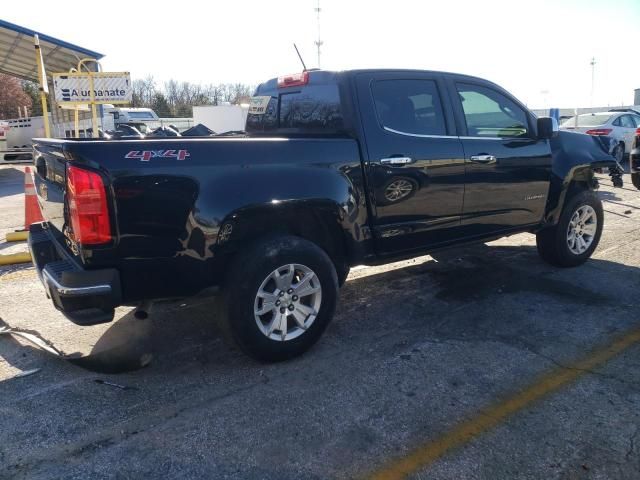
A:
(618, 153)
(279, 297)
(635, 179)
(576, 235)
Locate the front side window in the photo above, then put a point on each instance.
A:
(489, 113)
(409, 107)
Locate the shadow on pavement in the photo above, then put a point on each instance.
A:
(458, 276)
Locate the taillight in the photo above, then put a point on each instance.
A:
(599, 131)
(88, 210)
(637, 131)
(295, 80)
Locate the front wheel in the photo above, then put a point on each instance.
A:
(575, 237)
(280, 295)
(635, 179)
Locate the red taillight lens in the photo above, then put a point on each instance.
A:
(295, 80)
(88, 210)
(637, 131)
(598, 131)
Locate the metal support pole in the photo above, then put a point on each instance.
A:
(319, 41)
(94, 113)
(43, 86)
(593, 78)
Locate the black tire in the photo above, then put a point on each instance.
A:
(246, 274)
(552, 241)
(618, 153)
(342, 273)
(635, 179)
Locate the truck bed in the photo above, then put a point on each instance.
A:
(168, 198)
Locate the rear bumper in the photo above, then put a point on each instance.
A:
(86, 297)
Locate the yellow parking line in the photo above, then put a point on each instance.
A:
(491, 416)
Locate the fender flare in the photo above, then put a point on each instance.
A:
(578, 178)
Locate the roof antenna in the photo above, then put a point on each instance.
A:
(300, 57)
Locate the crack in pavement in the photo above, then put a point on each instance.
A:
(632, 444)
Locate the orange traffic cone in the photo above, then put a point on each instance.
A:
(32, 212)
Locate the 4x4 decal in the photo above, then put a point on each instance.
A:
(146, 155)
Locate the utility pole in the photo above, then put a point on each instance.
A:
(318, 42)
(593, 78)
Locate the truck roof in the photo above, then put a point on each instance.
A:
(318, 102)
(319, 76)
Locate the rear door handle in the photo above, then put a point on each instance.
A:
(486, 159)
(396, 160)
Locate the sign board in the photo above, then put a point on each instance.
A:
(108, 87)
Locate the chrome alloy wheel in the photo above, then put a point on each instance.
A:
(397, 190)
(287, 302)
(582, 229)
(618, 153)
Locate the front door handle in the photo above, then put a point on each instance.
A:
(396, 160)
(486, 159)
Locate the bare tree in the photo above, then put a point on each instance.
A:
(177, 99)
(144, 92)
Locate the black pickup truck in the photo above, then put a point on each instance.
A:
(336, 169)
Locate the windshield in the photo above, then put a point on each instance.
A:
(588, 120)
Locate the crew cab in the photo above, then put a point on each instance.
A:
(336, 169)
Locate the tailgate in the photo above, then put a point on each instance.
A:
(49, 180)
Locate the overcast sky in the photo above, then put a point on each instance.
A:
(538, 49)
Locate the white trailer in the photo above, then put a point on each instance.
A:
(221, 118)
(18, 135)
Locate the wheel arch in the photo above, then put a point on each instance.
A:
(321, 222)
(580, 178)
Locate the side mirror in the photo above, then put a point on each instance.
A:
(547, 128)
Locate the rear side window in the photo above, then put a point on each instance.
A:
(590, 120)
(410, 107)
(626, 121)
(489, 113)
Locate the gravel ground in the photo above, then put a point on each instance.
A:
(416, 349)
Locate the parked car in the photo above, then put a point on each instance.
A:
(275, 219)
(621, 126)
(628, 110)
